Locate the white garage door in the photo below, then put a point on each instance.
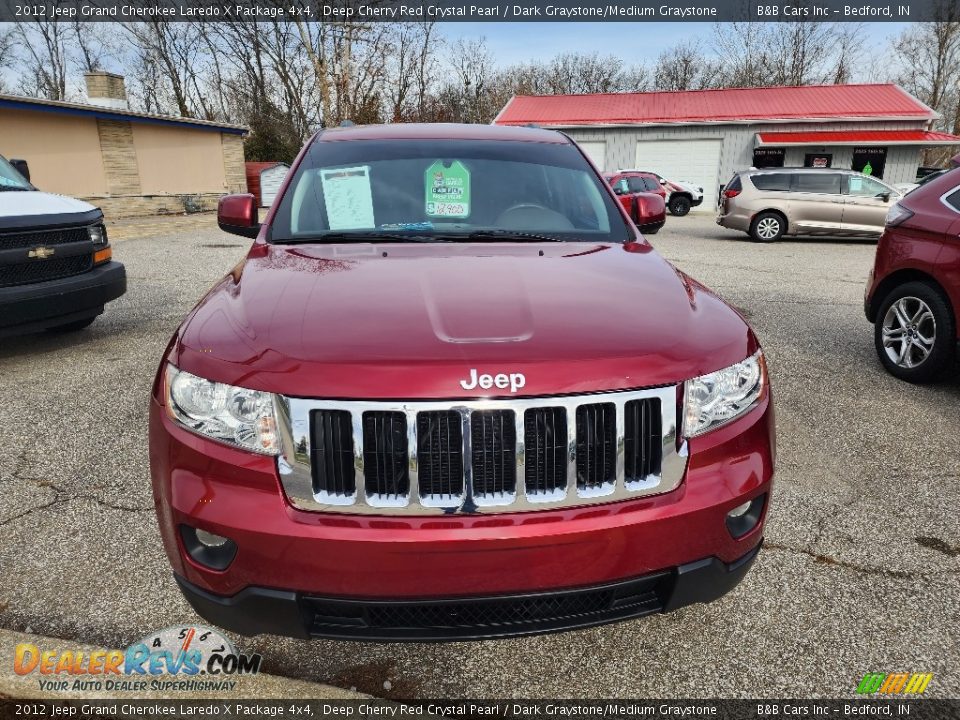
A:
(597, 152)
(696, 161)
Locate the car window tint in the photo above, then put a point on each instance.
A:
(779, 182)
(621, 186)
(652, 185)
(636, 184)
(816, 182)
(734, 184)
(953, 199)
(860, 186)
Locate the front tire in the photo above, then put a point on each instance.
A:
(768, 227)
(679, 206)
(915, 333)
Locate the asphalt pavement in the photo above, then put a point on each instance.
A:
(861, 572)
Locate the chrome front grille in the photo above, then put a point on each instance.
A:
(503, 455)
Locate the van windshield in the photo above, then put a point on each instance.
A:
(445, 190)
(10, 179)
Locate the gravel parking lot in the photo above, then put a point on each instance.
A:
(862, 567)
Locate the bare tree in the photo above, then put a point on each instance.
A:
(90, 44)
(43, 44)
(930, 55)
(684, 67)
(7, 44)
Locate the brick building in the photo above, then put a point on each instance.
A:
(126, 162)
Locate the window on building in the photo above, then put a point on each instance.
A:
(768, 157)
(818, 160)
(812, 182)
(869, 160)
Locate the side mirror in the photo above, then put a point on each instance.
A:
(885, 196)
(21, 167)
(662, 181)
(617, 190)
(237, 214)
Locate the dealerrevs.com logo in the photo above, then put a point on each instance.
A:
(894, 683)
(180, 658)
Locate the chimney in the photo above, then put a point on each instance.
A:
(106, 90)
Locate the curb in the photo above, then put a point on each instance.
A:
(262, 686)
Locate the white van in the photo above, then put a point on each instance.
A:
(56, 266)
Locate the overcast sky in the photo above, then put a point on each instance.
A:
(631, 42)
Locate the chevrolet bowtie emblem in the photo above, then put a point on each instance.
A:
(41, 253)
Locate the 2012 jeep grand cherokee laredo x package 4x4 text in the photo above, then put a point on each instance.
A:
(451, 392)
(56, 271)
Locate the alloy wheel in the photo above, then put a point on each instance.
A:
(768, 228)
(909, 332)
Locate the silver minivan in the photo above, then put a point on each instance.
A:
(770, 203)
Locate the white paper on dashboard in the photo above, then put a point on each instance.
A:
(347, 196)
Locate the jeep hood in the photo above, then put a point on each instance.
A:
(411, 321)
(41, 205)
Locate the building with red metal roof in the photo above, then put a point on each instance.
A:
(704, 136)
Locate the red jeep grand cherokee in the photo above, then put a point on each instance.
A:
(452, 393)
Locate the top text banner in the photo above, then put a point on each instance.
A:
(473, 10)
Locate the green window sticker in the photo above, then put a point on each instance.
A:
(447, 186)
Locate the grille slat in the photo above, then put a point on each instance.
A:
(54, 268)
(15, 240)
(440, 453)
(493, 450)
(643, 448)
(332, 453)
(546, 434)
(596, 446)
(488, 617)
(422, 458)
(386, 472)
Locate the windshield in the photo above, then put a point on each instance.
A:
(10, 179)
(450, 190)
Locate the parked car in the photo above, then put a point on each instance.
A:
(56, 266)
(770, 203)
(451, 392)
(913, 291)
(679, 196)
(647, 210)
(908, 187)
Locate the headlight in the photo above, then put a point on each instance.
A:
(717, 398)
(234, 415)
(98, 234)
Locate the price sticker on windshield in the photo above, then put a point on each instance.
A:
(447, 185)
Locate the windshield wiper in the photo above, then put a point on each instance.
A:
(13, 188)
(507, 236)
(359, 237)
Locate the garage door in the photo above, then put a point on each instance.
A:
(597, 152)
(696, 161)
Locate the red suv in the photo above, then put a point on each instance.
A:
(452, 393)
(913, 291)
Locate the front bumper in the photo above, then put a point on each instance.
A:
(256, 610)
(302, 558)
(35, 307)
